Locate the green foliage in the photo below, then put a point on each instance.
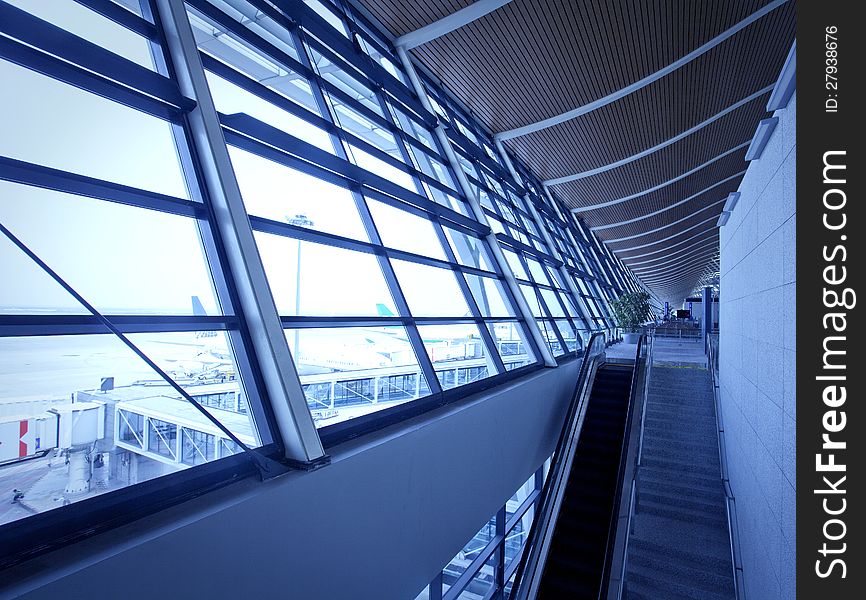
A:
(631, 310)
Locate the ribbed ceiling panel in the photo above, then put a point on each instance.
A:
(667, 163)
(658, 236)
(664, 196)
(695, 92)
(714, 196)
(660, 249)
(550, 56)
(534, 59)
(401, 17)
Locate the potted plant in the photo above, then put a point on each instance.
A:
(630, 311)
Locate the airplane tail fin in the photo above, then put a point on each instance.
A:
(197, 307)
(383, 311)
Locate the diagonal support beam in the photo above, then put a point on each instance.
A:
(583, 209)
(642, 83)
(455, 20)
(664, 144)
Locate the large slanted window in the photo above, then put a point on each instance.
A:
(385, 286)
(503, 202)
(352, 248)
(97, 182)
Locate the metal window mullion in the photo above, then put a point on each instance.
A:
(120, 15)
(295, 423)
(546, 314)
(48, 38)
(316, 84)
(501, 533)
(498, 257)
(494, 361)
(563, 271)
(60, 70)
(390, 276)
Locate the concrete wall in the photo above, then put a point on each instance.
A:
(757, 357)
(377, 523)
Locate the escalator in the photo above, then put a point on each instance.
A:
(575, 563)
(573, 550)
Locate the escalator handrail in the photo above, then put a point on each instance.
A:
(590, 359)
(639, 368)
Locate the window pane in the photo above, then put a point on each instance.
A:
(489, 296)
(516, 538)
(548, 330)
(110, 253)
(430, 291)
(91, 26)
(258, 22)
(537, 271)
(469, 250)
(510, 340)
(345, 82)
(379, 167)
(410, 126)
(110, 409)
(569, 335)
(482, 582)
(404, 231)
(332, 19)
(519, 496)
(373, 133)
(280, 193)
(457, 353)
(552, 302)
(309, 279)
(50, 123)
(230, 99)
(531, 295)
(348, 372)
(454, 569)
(515, 264)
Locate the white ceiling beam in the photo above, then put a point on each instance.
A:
(664, 144)
(673, 255)
(449, 23)
(688, 268)
(677, 222)
(691, 270)
(703, 251)
(670, 206)
(642, 83)
(583, 209)
(697, 235)
(706, 254)
(670, 237)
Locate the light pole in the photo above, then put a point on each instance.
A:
(300, 221)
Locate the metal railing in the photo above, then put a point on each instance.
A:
(616, 556)
(730, 500)
(531, 567)
(534, 554)
(617, 587)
